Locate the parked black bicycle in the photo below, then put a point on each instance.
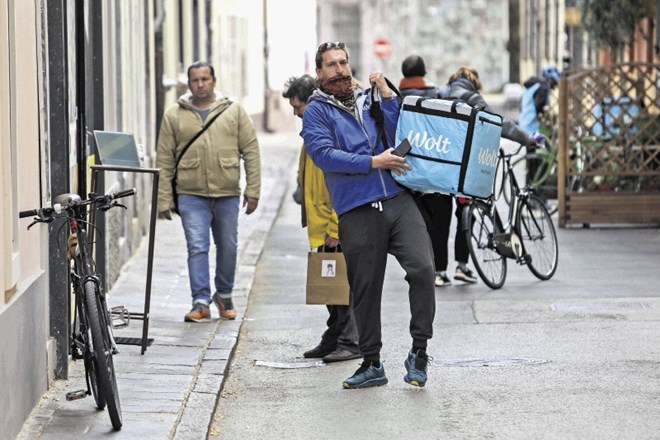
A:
(528, 237)
(91, 334)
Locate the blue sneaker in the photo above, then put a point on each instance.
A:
(416, 364)
(366, 376)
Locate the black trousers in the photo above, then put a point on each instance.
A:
(436, 211)
(368, 234)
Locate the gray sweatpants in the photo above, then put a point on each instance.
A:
(367, 235)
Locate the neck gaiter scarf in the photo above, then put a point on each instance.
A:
(341, 87)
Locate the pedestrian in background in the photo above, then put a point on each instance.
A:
(465, 85)
(414, 81)
(376, 215)
(536, 98)
(435, 208)
(339, 341)
(208, 184)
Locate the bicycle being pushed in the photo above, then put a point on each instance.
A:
(528, 236)
(91, 335)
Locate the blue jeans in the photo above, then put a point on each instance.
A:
(199, 215)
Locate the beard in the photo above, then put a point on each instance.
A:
(341, 87)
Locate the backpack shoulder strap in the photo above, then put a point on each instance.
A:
(377, 112)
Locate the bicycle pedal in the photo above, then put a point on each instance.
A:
(76, 395)
(120, 317)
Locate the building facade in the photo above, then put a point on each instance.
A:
(68, 68)
(446, 33)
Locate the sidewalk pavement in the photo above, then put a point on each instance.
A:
(171, 390)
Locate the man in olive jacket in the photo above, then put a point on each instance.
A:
(208, 184)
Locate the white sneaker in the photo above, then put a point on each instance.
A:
(442, 280)
(465, 275)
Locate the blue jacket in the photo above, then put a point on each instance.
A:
(535, 97)
(528, 118)
(342, 144)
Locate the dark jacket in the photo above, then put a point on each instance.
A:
(542, 93)
(420, 86)
(465, 90)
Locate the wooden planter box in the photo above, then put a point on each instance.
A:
(610, 208)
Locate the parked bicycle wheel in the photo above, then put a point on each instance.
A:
(537, 233)
(105, 369)
(490, 265)
(90, 365)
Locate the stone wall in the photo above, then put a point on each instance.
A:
(446, 33)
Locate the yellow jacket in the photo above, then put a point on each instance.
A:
(317, 212)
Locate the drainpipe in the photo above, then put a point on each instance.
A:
(266, 85)
(536, 20)
(158, 62)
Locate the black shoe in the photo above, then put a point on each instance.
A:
(341, 354)
(318, 352)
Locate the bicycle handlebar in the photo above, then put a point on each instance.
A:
(36, 212)
(46, 212)
(124, 193)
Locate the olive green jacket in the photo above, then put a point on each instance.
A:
(211, 166)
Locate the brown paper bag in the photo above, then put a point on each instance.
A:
(327, 282)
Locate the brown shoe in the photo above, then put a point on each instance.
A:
(225, 306)
(199, 313)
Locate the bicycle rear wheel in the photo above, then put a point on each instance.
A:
(480, 225)
(539, 238)
(97, 318)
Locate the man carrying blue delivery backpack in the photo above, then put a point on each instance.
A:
(376, 215)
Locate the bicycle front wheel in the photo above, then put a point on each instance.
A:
(90, 364)
(480, 225)
(539, 238)
(97, 318)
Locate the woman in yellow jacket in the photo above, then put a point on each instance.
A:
(339, 341)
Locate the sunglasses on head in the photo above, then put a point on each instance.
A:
(331, 45)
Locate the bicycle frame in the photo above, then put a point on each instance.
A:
(507, 237)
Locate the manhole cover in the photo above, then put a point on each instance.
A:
(490, 362)
(290, 365)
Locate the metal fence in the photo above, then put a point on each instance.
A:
(609, 145)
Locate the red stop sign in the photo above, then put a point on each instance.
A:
(382, 48)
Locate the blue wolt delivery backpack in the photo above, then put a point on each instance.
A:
(454, 147)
